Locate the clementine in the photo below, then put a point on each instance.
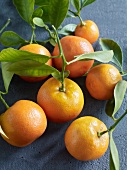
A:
(101, 81)
(73, 46)
(82, 141)
(88, 31)
(60, 106)
(23, 123)
(38, 49)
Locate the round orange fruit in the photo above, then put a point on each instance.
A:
(60, 106)
(82, 141)
(73, 46)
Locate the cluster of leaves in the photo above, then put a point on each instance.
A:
(41, 13)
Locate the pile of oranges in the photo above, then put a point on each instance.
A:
(26, 121)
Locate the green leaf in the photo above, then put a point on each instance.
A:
(68, 29)
(31, 68)
(114, 157)
(13, 55)
(76, 4)
(42, 2)
(86, 2)
(108, 44)
(101, 56)
(58, 11)
(114, 105)
(25, 8)
(10, 38)
(7, 76)
(38, 21)
(38, 12)
(58, 75)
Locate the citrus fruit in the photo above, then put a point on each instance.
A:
(37, 49)
(101, 81)
(88, 31)
(82, 141)
(23, 122)
(73, 46)
(60, 106)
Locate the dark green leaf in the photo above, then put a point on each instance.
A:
(114, 157)
(46, 13)
(42, 2)
(7, 76)
(25, 8)
(38, 12)
(108, 44)
(38, 21)
(101, 56)
(68, 29)
(10, 38)
(76, 4)
(13, 55)
(86, 2)
(31, 68)
(113, 105)
(58, 11)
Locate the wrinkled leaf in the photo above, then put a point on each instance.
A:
(27, 68)
(86, 2)
(25, 8)
(108, 44)
(76, 4)
(101, 56)
(38, 12)
(38, 21)
(114, 105)
(10, 38)
(13, 55)
(68, 29)
(58, 11)
(7, 76)
(114, 157)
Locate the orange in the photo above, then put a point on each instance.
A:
(73, 46)
(37, 49)
(60, 106)
(101, 81)
(23, 123)
(82, 141)
(88, 31)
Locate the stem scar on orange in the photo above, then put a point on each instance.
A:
(88, 31)
(101, 81)
(23, 123)
(60, 106)
(37, 49)
(82, 141)
(73, 46)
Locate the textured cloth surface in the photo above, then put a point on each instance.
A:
(49, 152)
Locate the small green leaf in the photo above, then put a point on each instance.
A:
(108, 44)
(114, 105)
(13, 55)
(7, 76)
(86, 2)
(101, 56)
(76, 4)
(58, 11)
(38, 21)
(25, 8)
(68, 29)
(38, 12)
(10, 38)
(31, 68)
(114, 157)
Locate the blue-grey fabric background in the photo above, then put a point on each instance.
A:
(49, 152)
